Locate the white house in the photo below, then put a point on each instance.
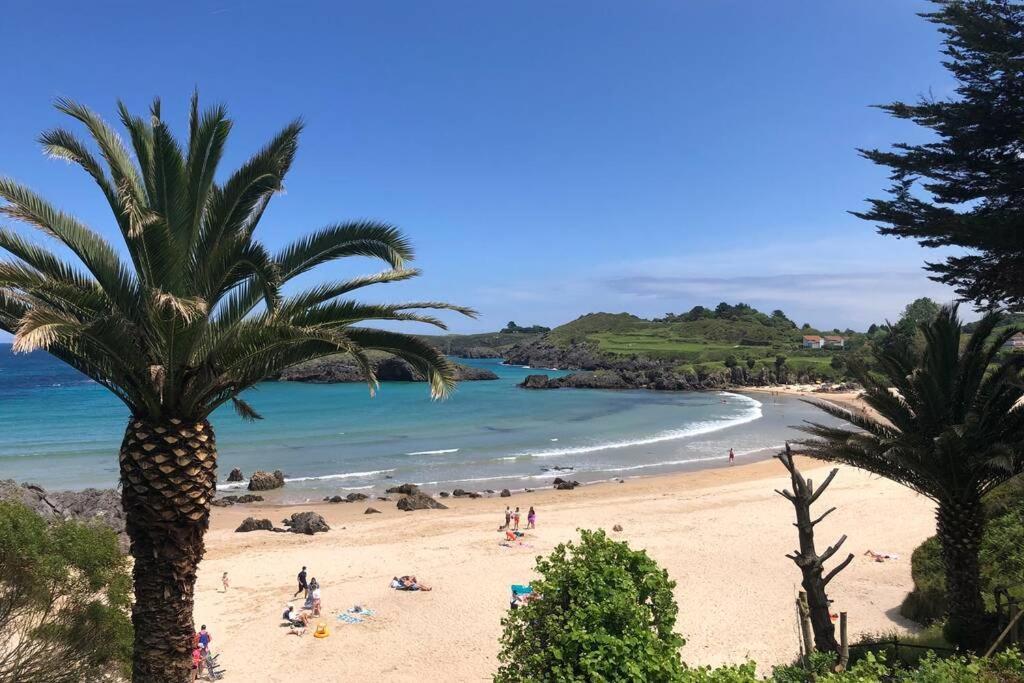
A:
(813, 341)
(834, 342)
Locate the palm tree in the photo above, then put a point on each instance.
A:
(185, 318)
(951, 428)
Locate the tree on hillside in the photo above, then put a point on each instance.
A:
(920, 312)
(963, 186)
(184, 319)
(603, 612)
(951, 430)
(64, 599)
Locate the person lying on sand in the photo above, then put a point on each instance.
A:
(881, 557)
(408, 583)
(297, 619)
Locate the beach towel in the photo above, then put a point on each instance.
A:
(520, 589)
(347, 618)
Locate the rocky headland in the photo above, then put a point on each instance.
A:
(389, 369)
(599, 370)
(91, 505)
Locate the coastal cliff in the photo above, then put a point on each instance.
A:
(599, 370)
(388, 369)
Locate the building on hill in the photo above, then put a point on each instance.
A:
(1014, 343)
(813, 341)
(834, 342)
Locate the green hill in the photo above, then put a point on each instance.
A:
(708, 338)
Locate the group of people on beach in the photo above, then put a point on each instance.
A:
(512, 519)
(200, 650)
(298, 620)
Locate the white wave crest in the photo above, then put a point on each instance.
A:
(437, 452)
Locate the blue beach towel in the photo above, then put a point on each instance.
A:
(518, 589)
(349, 619)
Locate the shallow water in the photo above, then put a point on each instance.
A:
(61, 430)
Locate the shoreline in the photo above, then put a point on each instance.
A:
(722, 534)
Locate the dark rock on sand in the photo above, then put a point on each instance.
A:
(236, 475)
(444, 494)
(474, 494)
(420, 501)
(253, 524)
(565, 484)
(356, 497)
(383, 498)
(227, 501)
(334, 499)
(306, 523)
(505, 493)
(459, 493)
(617, 527)
(405, 489)
(90, 505)
(491, 491)
(371, 511)
(265, 481)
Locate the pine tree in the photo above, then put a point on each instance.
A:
(964, 187)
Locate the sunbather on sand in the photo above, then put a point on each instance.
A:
(296, 619)
(881, 557)
(408, 583)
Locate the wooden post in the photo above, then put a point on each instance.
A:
(844, 644)
(1015, 622)
(805, 626)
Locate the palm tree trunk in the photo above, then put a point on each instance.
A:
(168, 476)
(960, 526)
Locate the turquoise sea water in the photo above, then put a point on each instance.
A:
(60, 430)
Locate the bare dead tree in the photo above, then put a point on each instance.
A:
(806, 558)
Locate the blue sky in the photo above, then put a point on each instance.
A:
(547, 158)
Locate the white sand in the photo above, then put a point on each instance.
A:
(721, 533)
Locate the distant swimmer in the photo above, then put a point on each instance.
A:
(732, 457)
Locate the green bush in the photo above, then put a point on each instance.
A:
(1001, 558)
(605, 613)
(64, 599)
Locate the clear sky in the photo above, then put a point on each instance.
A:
(547, 158)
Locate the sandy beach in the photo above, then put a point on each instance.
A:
(722, 534)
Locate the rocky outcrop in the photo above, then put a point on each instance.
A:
(236, 475)
(236, 500)
(265, 481)
(505, 493)
(90, 505)
(390, 369)
(564, 484)
(404, 489)
(306, 523)
(354, 497)
(253, 524)
(420, 501)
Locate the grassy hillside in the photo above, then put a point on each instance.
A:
(709, 339)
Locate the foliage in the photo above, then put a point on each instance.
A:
(512, 328)
(1001, 557)
(962, 186)
(951, 431)
(605, 613)
(196, 313)
(1003, 667)
(64, 600)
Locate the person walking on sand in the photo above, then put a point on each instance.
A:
(732, 456)
(303, 586)
(508, 517)
(531, 519)
(224, 580)
(515, 520)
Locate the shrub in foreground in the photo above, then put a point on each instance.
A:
(605, 613)
(64, 601)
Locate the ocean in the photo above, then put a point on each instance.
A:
(62, 431)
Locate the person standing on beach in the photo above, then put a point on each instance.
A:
(732, 457)
(515, 520)
(508, 517)
(224, 580)
(303, 586)
(531, 519)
